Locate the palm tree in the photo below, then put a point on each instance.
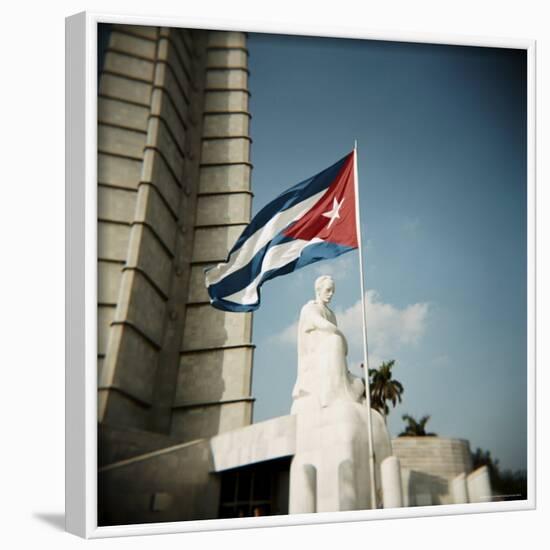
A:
(384, 388)
(415, 428)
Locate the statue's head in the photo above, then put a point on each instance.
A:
(324, 288)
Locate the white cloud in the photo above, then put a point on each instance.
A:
(441, 361)
(289, 334)
(389, 329)
(339, 268)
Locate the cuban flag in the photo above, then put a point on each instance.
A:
(312, 221)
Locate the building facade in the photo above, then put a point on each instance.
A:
(173, 194)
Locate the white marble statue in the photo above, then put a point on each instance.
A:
(322, 349)
(330, 468)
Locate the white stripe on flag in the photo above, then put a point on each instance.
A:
(259, 239)
(275, 258)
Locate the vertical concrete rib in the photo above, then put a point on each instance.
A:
(183, 58)
(123, 107)
(214, 379)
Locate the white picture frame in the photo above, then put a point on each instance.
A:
(81, 276)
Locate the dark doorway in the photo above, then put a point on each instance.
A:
(256, 490)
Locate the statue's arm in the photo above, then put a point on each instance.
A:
(313, 320)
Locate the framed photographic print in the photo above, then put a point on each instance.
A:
(300, 275)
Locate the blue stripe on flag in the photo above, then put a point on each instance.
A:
(243, 277)
(289, 198)
(310, 254)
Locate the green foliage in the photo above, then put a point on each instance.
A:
(415, 428)
(507, 484)
(383, 388)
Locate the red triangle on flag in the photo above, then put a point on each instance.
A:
(332, 217)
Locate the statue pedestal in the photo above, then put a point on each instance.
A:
(330, 470)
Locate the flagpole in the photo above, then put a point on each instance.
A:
(364, 319)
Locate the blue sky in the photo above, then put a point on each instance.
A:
(442, 168)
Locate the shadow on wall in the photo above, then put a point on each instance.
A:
(425, 489)
(173, 484)
(57, 521)
(200, 385)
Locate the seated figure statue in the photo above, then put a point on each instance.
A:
(330, 468)
(323, 374)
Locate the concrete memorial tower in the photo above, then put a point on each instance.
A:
(173, 195)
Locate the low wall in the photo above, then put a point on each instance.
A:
(428, 465)
(171, 484)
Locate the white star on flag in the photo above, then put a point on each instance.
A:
(335, 212)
